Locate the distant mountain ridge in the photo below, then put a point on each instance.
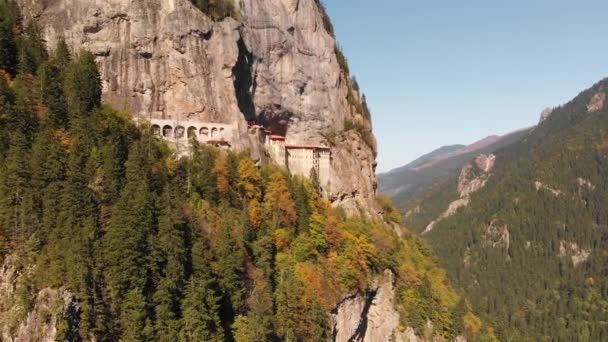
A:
(405, 183)
(443, 150)
(485, 142)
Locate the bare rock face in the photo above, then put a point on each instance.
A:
(545, 114)
(275, 64)
(38, 323)
(497, 235)
(574, 251)
(597, 102)
(473, 177)
(370, 317)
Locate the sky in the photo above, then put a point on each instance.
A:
(452, 72)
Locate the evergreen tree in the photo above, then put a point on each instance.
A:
(82, 86)
(32, 49)
(126, 240)
(169, 256)
(8, 50)
(133, 322)
(63, 55)
(201, 320)
(52, 95)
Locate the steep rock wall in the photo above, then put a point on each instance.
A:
(274, 64)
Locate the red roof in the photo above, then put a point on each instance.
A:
(277, 137)
(310, 147)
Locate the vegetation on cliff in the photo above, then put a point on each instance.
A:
(530, 249)
(216, 9)
(206, 248)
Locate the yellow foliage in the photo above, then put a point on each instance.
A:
(279, 207)
(472, 324)
(220, 171)
(254, 211)
(64, 138)
(317, 283)
(281, 239)
(249, 179)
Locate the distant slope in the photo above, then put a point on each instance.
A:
(442, 151)
(405, 183)
(530, 246)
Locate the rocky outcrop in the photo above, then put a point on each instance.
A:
(371, 316)
(472, 178)
(275, 65)
(497, 235)
(577, 254)
(538, 185)
(597, 102)
(545, 114)
(39, 321)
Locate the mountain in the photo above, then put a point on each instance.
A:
(523, 231)
(151, 188)
(443, 150)
(405, 183)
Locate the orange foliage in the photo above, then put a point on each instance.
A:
(278, 203)
(7, 77)
(220, 171)
(64, 138)
(335, 238)
(254, 211)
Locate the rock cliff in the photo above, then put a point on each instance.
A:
(273, 63)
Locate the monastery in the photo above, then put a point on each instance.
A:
(298, 159)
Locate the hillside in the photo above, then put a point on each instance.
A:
(404, 184)
(108, 232)
(526, 236)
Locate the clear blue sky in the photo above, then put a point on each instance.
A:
(445, 72)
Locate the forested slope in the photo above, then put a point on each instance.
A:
(146, 246)
(530, 248)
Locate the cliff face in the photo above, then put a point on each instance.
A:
(275, 65)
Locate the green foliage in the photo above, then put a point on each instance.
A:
(364, 132)
(156, 247)
(329, 27)
(216, 9)
(529, 285)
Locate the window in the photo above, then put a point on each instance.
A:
(191, 132)
(167, 130)
(179, 132)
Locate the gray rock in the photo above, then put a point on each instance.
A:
(275, 64)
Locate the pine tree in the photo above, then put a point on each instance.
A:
(8, 50)
(169, 257)
(126, 240)
(63, 56)
(82, 87)
(231, 263)
(52, 95)
(32, 49)
(201, 320)
(133, 322)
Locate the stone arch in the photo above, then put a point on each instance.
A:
(222, 132)
(205, 132)
(167, 130)
(214, 132)
(155, 130)
(191, 132)
(179, 132)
